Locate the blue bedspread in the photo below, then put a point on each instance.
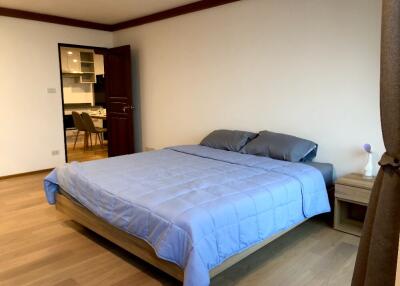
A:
(196, 206)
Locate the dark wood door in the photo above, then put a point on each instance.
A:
(119, 101)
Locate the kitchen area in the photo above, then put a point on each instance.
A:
(84, 104)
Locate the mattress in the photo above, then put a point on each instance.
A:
(196, 206)
(326, 170)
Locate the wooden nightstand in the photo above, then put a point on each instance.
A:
(352, 194)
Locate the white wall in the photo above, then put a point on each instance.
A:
(304, 67)
(31, 119)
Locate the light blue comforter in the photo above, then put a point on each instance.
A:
(196, 206)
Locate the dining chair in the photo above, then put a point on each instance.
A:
(80, 126)
(89, 125)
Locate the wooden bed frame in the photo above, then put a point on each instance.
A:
(139, 247)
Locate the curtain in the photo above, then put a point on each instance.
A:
(377, 254)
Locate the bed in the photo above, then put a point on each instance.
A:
(191, 211)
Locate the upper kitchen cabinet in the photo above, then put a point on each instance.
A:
(70, 60)
(99, 64)
(79, 63)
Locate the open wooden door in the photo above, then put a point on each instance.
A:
(118, 77)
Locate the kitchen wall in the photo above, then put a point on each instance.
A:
(31, 128)
(76, 92)
(304, 67)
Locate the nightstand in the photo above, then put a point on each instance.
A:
(352, 194)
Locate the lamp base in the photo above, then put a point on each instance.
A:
(369, 168)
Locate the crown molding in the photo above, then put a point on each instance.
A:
(53, 19)
(170, 13)
(177, 11)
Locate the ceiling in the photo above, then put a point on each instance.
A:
(99, 11)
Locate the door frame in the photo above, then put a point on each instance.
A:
(98, 50)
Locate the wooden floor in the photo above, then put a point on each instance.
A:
(39, 246)
(81, 155)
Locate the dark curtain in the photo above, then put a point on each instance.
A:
(377, 254)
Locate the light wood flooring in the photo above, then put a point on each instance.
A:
(81, 155)
(39, 246)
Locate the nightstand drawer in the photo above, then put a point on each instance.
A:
(357, 195)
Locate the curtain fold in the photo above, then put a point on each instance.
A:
(377, 254)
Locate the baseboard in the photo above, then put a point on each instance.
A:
(25, 174)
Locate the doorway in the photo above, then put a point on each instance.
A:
(90, 76)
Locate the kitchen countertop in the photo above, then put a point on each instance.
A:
(91, 109)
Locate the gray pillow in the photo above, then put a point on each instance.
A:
(282, 147)
(231, 140)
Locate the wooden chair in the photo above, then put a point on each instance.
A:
(89, 125)
(80, 126)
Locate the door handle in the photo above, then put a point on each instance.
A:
(128, 107)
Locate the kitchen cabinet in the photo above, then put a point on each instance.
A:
(78, 63)
(99, 64)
